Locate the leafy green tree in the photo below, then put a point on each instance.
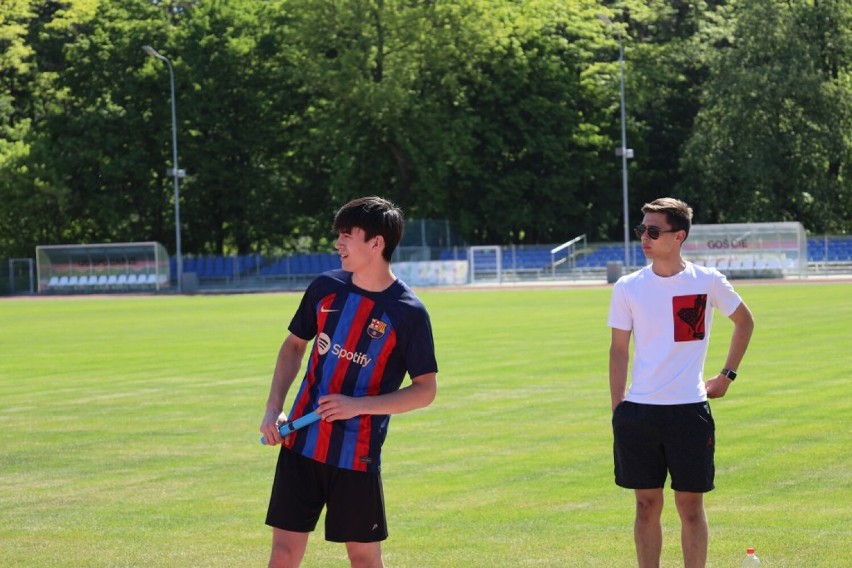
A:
(15, 65)
(236, 99)
(32, 190)
(538, 102)
(480, 111)
(771, 142)
(93, 136)
(358, 63)
(501, 116)
(667, 47)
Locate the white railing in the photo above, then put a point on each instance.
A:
(570, 255)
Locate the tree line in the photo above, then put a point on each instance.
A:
(501, 116)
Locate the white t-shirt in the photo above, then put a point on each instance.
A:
(670, 319)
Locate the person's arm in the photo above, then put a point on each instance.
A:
(286, 369)
(420, 393)
(743, 327)
(619, 356)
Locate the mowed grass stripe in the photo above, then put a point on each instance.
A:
(128, 434)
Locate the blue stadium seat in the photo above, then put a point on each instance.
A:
(314, 266)
(835, 250)
(330, 261)
(218, 267)
(277, 268)
(300, 264)
(267, 269)
(209, 266)
(457, 253)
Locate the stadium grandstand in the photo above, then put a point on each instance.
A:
(99, 269)
(824, 255)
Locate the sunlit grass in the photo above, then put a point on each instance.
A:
(128, 434)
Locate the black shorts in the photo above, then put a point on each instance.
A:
(651, 440)
(354, 500)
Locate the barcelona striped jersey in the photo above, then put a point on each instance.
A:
(365, 343)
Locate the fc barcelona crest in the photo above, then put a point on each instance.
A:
(377, 329)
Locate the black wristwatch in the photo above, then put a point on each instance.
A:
(730, 373)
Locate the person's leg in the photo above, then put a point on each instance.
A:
(647, 529)
(288, 548)
(295, 507)
(356, 510)
(640, 464)
(694, 532)
(690, 453)
(365, 554)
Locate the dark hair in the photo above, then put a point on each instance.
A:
(375, 216)
(678, 214)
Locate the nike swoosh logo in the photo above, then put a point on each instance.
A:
(327, 311)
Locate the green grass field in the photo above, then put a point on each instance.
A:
(128, 434)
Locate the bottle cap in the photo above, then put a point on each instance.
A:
(749, 551)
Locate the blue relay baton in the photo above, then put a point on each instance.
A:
(292, 426)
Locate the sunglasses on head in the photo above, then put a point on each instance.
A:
(653, 232)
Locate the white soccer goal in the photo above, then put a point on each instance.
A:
(111, 267)
(21, 276)
(486, 264)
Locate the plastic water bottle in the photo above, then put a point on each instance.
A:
(751, 559)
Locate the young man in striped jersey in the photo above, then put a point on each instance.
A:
(369, 331)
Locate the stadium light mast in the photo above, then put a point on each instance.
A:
(623, 151)
(175, 172)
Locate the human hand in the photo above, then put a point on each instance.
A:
(339, 407)
(272, 419)
(718, 386)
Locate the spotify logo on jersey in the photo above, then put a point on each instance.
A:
(323, 343)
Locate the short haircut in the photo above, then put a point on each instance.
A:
(678, 214)
(375, 216)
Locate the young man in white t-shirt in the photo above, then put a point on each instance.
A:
(662, 425)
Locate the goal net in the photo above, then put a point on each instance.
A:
(486, 264)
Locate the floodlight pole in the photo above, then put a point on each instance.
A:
(623, 151)
(176, 173)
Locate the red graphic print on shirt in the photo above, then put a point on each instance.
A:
(688, 313)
